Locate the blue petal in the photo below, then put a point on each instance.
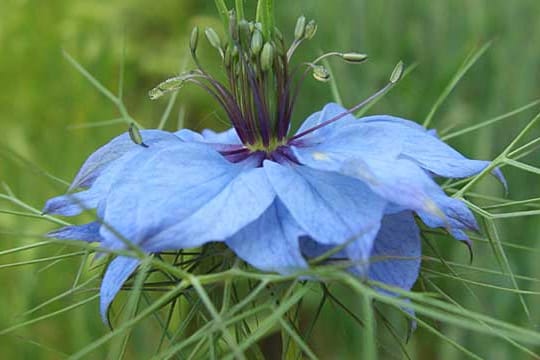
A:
(226, 137)
(189, 135)
(396, 120)
(87, 232)
(330, 207)
(329, 111)
(73, 204)
(184, 196)
(354, 141)
(404, 183)
(116, 148)
(270, 243)
(399, 181)
(119, 270)
(428, 151)
(398, 240)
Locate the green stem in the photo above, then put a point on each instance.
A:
(223, 13)
(240, 9)
(265, 15)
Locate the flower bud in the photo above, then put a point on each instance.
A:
(300, 28)
(397, 73)
(354, 58)
(267, 57)
(311, 29)
(320, 73)
(213, 38)
(256, 42)
(194, 39)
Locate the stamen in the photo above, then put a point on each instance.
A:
(135, 135)
(396, 75)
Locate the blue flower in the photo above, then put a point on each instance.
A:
(275, 199)
(355, 182)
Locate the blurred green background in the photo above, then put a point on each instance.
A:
(45, 106)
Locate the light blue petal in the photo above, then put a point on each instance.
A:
(407, 187)
(226, 137)
(428, 151)
(189, 135)
(72, 204)
(119, 270)
(458, 217)
(87, 232)
(400, 181)
(330, 207)
(354, 141)
(396, 252)
(184, 196)
(113, 150)
(328, 112)
(396, 120)
(270, 243)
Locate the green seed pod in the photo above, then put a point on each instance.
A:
(194, 39)
(267, 57)
(320, 73)
(311, 29)
(213, 38)
(135, 135)
(354, 58)
(300, 28)
(397, 73)
(256, 42)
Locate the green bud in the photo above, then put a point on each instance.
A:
(267, 57)
(213, 38)
(397, 73)
(320, 73)
(135, 135)
(256, 42)
(194, 39)
(311, 29)
(354, 58)
(300, 28)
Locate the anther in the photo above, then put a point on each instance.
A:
(354, 58)
(135, 135)
(267, 57)
(311, 29)
(194, 39)
(300, 28)
(256, 42)
(213, 38)
(397, 73)
(320, 73)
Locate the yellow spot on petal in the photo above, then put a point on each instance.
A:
(320, 156)
(432, 208)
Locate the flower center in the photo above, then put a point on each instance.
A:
(261, 86)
